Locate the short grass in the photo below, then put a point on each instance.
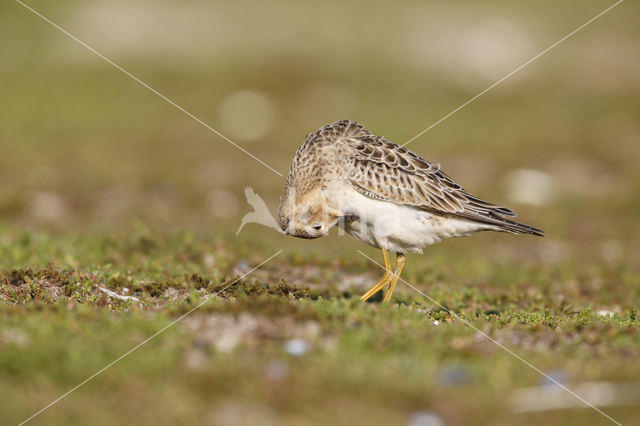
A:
(229, 360)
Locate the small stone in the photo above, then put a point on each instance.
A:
(454, 375)
(554, 377)
(296, 347)
(243, 266)
(424, 418)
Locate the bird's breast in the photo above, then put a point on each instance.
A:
(399, 227)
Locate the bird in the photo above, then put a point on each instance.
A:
(383, 194)
(260, 214)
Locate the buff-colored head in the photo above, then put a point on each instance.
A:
(307, 216)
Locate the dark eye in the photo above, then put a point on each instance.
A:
(317, 226)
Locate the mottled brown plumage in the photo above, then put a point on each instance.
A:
(387, 196)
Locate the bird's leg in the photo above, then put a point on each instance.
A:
(384, 281)
(400, 261)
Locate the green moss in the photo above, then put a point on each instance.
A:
(257, 289)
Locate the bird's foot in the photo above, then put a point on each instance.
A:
(376, 288)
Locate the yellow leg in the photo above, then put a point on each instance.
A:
(384, 281)
(400, 261)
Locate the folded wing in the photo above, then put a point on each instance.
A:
(384, 170)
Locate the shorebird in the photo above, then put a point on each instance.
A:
(385, 195)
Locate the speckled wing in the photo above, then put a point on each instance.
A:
(387, 171)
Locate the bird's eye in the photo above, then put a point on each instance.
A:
(317, 226)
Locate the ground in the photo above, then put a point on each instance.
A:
(302, 348)
(106, 186)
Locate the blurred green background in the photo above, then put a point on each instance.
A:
(90, 159)
(99, 150)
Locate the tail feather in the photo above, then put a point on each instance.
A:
(521, 228)
(502, 223)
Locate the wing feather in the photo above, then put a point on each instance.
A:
(384, 170)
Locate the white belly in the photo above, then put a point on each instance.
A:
(402, 228)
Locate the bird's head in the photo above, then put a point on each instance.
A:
(308, 216)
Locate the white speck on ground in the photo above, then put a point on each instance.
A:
(226, 332)
(296, 347)
(424, 418)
